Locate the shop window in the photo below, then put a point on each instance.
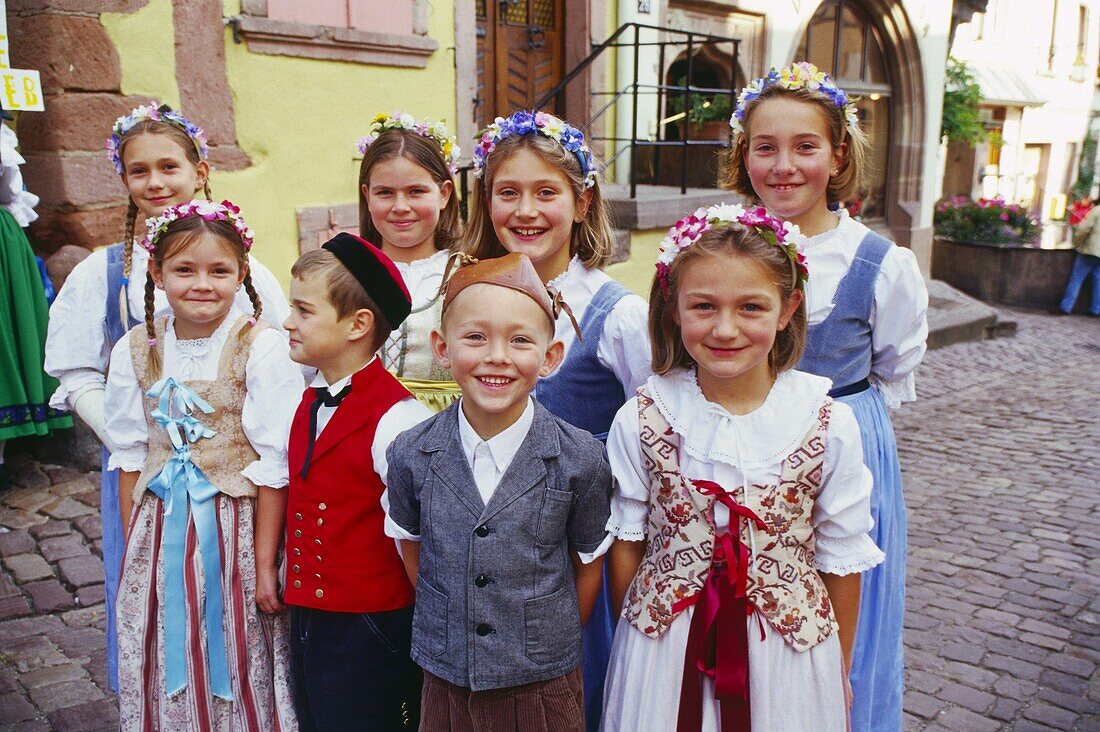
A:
(365, 31)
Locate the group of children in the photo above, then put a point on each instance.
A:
(420, 538)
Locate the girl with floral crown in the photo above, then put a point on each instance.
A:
(798, 149)
(160, 157)
(742, 504)
(537, 192)
(408, 208)
(198, 408)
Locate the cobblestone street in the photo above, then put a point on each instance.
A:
(1001, 457)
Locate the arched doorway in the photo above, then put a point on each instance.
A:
(842, 40)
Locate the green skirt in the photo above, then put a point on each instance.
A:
(25, 388)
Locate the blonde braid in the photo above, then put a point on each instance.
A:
(127, 263)
(152, 357)
(206, 190)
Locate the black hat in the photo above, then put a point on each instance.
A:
(377, 274)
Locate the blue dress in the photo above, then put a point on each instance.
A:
(840, 348)
(587, 394)
(113, 546)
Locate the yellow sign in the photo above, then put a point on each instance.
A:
(21, 90)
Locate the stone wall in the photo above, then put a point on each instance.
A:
(83, 202)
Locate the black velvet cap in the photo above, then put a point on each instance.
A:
(377, 274)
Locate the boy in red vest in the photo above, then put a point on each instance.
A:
(351, 601)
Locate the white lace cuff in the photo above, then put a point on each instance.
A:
(129, 460)
(270, 472)
(895, 393)
(847, 555)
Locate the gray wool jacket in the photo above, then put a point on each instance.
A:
(496, 601)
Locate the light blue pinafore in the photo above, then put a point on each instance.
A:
(113, 545)
(587, 394)
(840, 348)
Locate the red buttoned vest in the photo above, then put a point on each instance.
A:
(338, 558)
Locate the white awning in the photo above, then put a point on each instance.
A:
(1004, 86)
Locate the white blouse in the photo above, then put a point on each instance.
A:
(424, 276)
(14, 198)
(273, 381)
(77, 351)
(624, 343)
(899, 313)
(739, 450)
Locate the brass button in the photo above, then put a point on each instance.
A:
(319, 560)
(297, 533)
(298, 516)
(297, 552)
(318, 577)
(320, 522)
(295, 568)
(317, 542)
(297, 584)
(322, 506)
(319, 593)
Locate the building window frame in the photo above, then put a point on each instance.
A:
(304, 40)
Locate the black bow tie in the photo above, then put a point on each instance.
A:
(329, 400)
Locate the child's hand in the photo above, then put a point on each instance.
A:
(267, 590)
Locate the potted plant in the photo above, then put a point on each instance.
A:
(709, 114)
(989, 249)
(985, 221)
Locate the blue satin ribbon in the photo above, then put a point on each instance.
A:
(186, 491)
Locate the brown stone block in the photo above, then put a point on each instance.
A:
(74, 121)
(72, 180)
(55, 231)
(77, 6)
(69, 51)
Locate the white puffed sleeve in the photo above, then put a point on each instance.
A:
(899, 322)
(76, 338)
(271, 295)
(624, 343)
(124, 413)
(630, 496)
(842, 511)
(274, 385)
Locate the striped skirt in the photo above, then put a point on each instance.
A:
(257, 644)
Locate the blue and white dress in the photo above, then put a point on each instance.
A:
(597, 376)
(867, 305)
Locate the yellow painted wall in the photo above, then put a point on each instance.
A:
(637, 272)
(297, 119)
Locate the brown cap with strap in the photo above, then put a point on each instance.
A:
(514, 271)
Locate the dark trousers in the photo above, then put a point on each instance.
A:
(352, 671)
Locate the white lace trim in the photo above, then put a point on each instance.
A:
(272, 473)
(626, 533)
(555, 284)
(897, 392)
(850, 566)
(761, 438)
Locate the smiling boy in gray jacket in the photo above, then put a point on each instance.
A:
(500, 509)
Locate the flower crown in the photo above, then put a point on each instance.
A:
(224, 211)
(687, 231)
(534, 123)
(436, 131)
(802, 75)
(158, 113)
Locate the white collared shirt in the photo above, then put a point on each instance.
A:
(489, 459)
(401, 416)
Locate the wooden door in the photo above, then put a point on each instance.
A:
(519, 54)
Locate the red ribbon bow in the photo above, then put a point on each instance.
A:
(718, 643)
